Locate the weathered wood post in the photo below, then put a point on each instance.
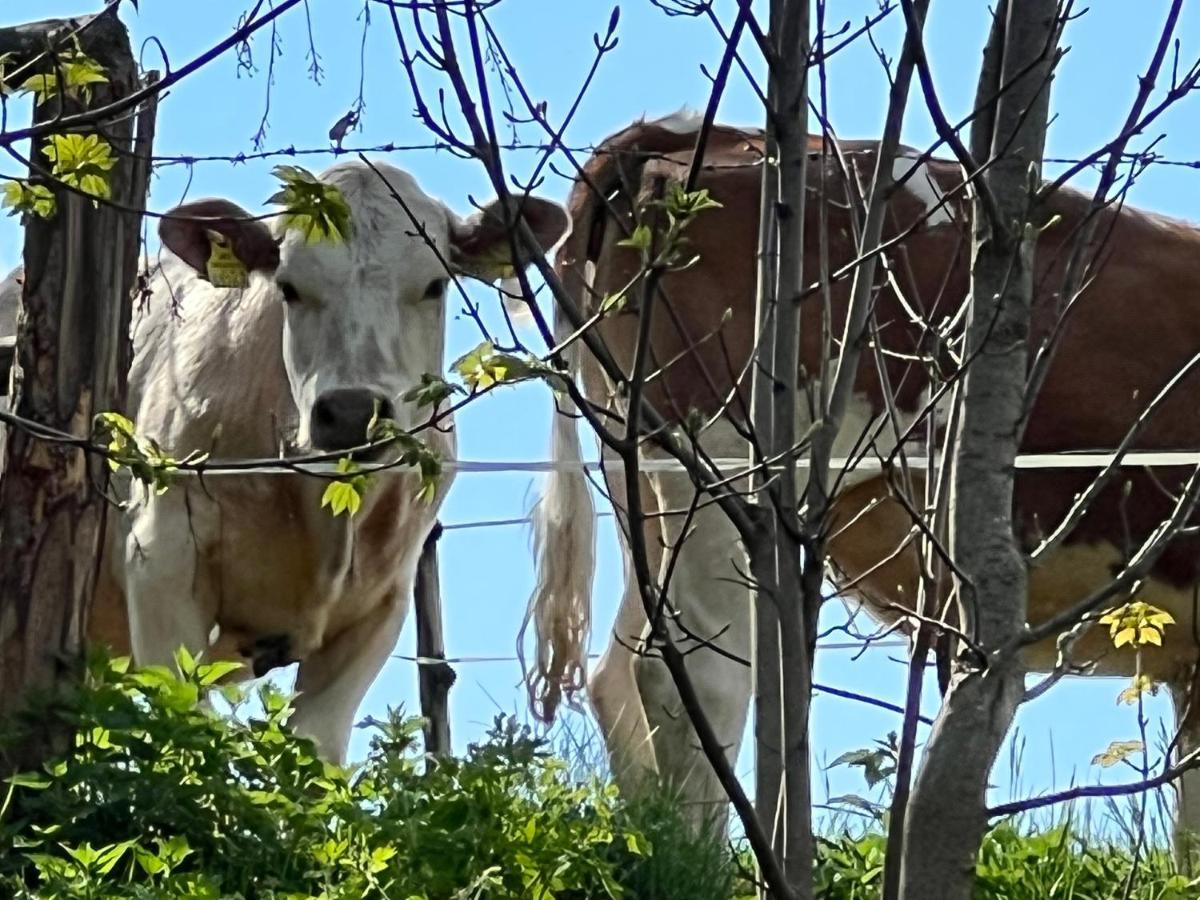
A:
(435, 674)
(72, 354)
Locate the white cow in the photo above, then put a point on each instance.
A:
(322, 336)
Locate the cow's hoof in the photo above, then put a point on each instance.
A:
(271, 652)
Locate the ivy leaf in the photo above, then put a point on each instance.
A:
(78, 72)
(345, 495)
(23, 197)
(82, 161)
(1117, 751)
(317, 210)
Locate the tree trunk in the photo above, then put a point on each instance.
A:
(783, 638)
(947, 813)
(71, 362)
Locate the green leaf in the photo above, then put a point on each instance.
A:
(876, 764)
(614, 302)
(110, 856)
(635, 843)
(483, 367)
(23, 197)
(82, 161)
(639, 240)
(345, 495)
(29, 780)
(1117, 752)
(684, 205)
(143, 456)
(185, 661)
(317, 210)
(78, 72)
(432, 391)
(213, 672)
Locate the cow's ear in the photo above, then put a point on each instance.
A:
(480, 245)
(216, 238)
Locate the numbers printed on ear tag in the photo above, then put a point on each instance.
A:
(225, 270)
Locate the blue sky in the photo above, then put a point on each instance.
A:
(656, 69)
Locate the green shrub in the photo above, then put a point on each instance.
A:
(1055, 864)
(162, 799)
(159, 798)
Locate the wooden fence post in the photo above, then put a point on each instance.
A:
(72, 354)
(435, 674)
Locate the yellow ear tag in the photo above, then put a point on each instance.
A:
(225, 270)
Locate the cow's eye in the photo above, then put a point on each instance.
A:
(290, 294)
(436, 289)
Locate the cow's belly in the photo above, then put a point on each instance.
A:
(874, 555)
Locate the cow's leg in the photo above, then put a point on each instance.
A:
(168, 606)
(612, 686)
(1186, 700)
(713, 606)
(333, 681)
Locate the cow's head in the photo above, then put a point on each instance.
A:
(364, 319)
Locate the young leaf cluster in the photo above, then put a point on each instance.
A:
(345, 494)
(73, 74)
(142, 456)
(317, 210)
(680, 208)
(485, 366)
(82, 161)
(24, 197)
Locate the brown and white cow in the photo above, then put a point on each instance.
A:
(321, 338)
(1133, 329)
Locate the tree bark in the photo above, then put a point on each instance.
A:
(947, 813)
(71, 360)
(783, 611)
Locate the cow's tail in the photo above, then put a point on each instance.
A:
(564, 517)
(564, 546)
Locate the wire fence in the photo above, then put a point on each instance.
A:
(1098, 459)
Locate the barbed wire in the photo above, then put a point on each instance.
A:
(291, 151)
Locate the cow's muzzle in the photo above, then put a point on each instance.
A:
(340, 418)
